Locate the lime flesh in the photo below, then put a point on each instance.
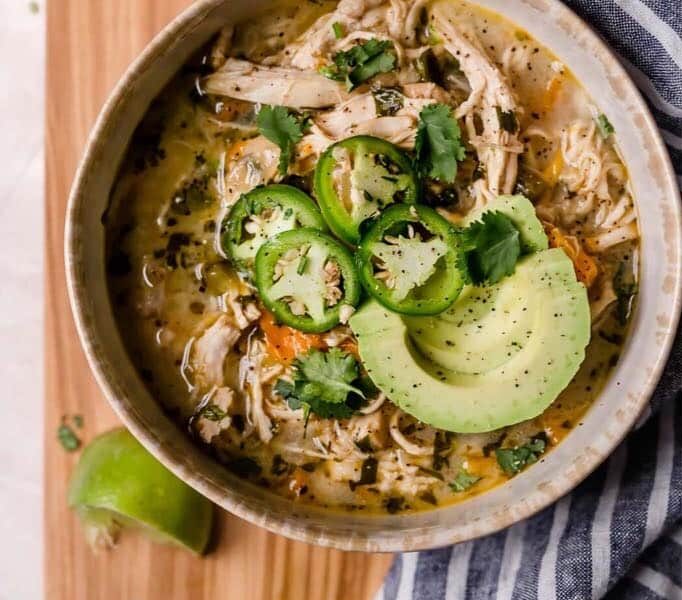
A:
(117, 483)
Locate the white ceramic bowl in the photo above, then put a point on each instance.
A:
(609, 419)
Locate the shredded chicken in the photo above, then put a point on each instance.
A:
(221, 47)
(251, 163)
(602, 300)
(213, 413)
(370, 427)
(253, 375)
(243, 315)
(497, 148)
(401, 439)
(374, 405)
(340, 442)
(261, 39)
(274, 85)
(375, 17)
(606, 239)
(358, 116)
(206, 353)
(594, 191)
(209, 352)
(344, 470)
(514, 60)
(337, 441)
(588, 162)
(404, 476)
(278, 408)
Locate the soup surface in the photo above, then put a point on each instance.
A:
(390, 322)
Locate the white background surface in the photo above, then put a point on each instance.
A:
(22, 49)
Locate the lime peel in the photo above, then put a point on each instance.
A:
(118, 484)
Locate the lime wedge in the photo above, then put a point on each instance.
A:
(117, 483)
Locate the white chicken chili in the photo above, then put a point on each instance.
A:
(374, 255)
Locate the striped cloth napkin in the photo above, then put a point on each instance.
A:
(619, 534)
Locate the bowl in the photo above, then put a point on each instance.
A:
(606, 423)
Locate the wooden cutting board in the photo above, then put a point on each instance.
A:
(89, 44)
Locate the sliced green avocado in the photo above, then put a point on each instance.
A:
(483, 365)
(522, 213)
(459, 339)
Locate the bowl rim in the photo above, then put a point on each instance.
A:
(78, 300)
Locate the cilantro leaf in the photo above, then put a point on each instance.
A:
(463, 481)
(213, 412)
(625, 287)
(514, 460)
(325, 410)
(331, 372)
(338, 30)
(491, 247)
(361, 62)
(604, 126)
(287, 390)
(438, 144)
(68, 438)
(306, 395)
(282, 128)
(322, 384)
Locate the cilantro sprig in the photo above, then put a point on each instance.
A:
(67, 436)
(514, 460)
(438, 145)
(361, 62)
(491, 248)
(338, 30)
(625, 287)
(324, 383)
(283, 128)
(604, 126)
(463, 481)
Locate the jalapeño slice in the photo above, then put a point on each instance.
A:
(358, 177)
(410, 260)
(263, 213)
(307, 279)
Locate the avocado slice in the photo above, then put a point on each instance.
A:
(459, 338)
(521, 212)
(498, 356)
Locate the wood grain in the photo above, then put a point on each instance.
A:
(89, 44)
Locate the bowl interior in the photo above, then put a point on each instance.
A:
(605, 424)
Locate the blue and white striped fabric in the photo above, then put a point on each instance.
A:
(619, 534)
